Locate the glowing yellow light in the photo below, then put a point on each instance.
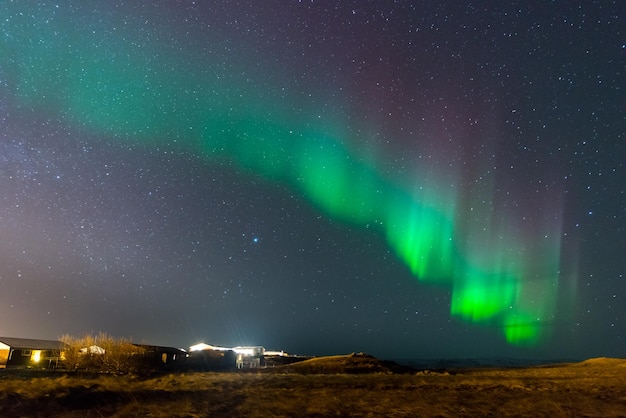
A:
(36, 356)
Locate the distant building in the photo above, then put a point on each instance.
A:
(203, 346)
(210, 357)
(245, 356)
(249, 357)
(29, 353)
(165, 357)
(92, 349)
(276, 353)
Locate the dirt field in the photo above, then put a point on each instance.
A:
(339, 386)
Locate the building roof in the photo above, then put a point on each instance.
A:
(159, 348)
(32, 344)
(247, 350)
(203, 346)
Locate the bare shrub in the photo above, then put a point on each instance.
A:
(101, 353)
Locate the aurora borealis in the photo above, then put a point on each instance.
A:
(349, 154)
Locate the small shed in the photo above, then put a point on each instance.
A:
(29, 353)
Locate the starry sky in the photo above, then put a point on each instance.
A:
(408, 179)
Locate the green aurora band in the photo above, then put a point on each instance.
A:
(129, 86)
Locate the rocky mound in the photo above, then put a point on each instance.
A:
(355, 363)
(602, 362)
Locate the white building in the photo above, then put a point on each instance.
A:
(246, 356)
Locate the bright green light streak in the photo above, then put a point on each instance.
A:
(422, 236)
(129, 88)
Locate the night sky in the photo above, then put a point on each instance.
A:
(408, 179)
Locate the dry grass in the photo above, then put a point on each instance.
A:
(594, 388)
